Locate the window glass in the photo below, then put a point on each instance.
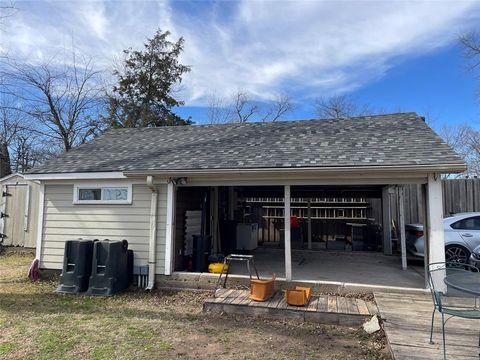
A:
(115, 194)
(89, 194)
(472, 223)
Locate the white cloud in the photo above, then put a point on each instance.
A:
(305, 47)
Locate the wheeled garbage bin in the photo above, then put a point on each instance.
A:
(77, 266)
(109, 268)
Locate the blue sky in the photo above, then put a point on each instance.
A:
(401, 55)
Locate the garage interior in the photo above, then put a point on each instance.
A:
(336, 233)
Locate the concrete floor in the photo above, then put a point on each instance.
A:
(364, 268)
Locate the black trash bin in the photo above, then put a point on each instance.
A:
(109, 268)
(77, 266)
(201, 251)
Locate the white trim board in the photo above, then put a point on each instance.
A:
(41, 209)
(76, 176)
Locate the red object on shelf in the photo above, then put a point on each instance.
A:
(294, 222)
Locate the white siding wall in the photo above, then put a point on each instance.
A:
(64, 221)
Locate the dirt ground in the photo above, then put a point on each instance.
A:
(36, 323)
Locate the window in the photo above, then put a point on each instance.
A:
(104, 194)
(472, 223)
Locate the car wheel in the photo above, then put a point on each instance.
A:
(456, 254)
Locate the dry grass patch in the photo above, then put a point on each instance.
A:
(36, 323)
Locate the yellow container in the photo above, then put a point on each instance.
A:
(298, 296)
(216, 268)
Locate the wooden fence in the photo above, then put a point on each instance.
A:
(459, 195)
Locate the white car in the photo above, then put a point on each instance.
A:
(462, 236)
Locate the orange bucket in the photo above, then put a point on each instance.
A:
(262, 290)
(298, 296)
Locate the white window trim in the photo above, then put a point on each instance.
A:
(77, 187)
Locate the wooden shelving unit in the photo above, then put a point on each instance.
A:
(320, 208)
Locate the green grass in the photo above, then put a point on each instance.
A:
(37, 323)
(7, 347)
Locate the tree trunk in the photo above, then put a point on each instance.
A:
(5, 168)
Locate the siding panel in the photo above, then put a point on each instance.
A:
(64, 221)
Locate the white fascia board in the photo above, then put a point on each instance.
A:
(76, 176)
(441, 168)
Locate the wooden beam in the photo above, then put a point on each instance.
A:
(401, 225)
(386, 221)
(435, 237)
(287, 232)
(309, 224)
(231, 202)
(426, 242)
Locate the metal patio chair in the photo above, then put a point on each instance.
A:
(444, 303)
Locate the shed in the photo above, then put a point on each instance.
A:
(19, 211)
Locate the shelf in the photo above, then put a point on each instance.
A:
(305, 200)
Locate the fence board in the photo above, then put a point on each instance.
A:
(459, 195)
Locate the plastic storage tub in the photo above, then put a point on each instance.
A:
(262, 290)
(298, 296)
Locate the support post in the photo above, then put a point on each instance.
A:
(386, 221)
(231, 203)
(287, 232)
(152, 241)
(401, 225)
(435, 231)
(41, 208)
(426, 241)
(309, 223)
(216, 242)
(169, 228)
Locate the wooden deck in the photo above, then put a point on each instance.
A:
(323, 308)
(406, 320)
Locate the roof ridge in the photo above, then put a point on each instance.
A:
(267, 123)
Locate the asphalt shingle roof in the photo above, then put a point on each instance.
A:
(383, 140)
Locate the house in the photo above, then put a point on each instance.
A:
(150, 185)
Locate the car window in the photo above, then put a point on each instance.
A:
(472, 223)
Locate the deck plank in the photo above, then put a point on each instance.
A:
(332, 303)
(322, 309)
(313, 305)
(276, 300)
(322, 304)
(342, 305)
(407, 327)
(352, 307)
(362, 307)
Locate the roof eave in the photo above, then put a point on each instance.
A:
(451, 168)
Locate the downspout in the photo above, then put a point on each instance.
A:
(152, 245)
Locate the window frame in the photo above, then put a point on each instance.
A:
(102, 187)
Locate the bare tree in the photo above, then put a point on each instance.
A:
(465, 140)
(471, 49)
(218, 111)
(341, 106)
(242, 108)
(9, 128)
(7, 9)
(62, 100)
(282, 105)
